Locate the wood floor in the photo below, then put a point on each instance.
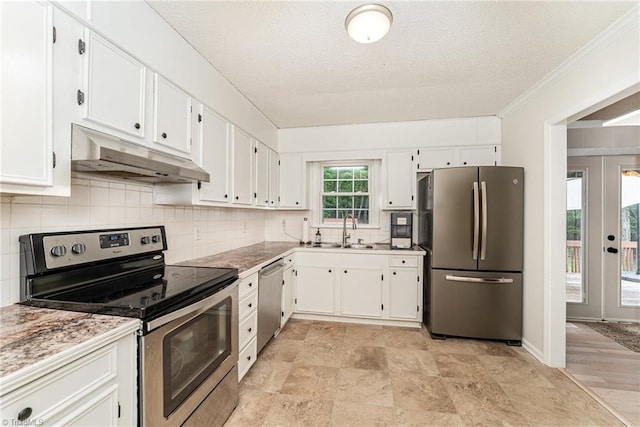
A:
(608, 369)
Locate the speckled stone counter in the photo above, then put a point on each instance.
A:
(245, 258)
(29, 335)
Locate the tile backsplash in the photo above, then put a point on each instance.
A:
(191, 231)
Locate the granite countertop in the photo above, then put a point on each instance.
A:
(29, 335)
(244, 258)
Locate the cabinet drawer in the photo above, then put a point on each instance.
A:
(247, 329)
(247, 285)
(403, 261)
(247, 357)
(248, 304)
(52, 393)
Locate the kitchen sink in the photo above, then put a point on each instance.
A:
(359, 246)
(325, 245)
(335, 245)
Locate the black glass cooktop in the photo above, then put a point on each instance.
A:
(145, 293)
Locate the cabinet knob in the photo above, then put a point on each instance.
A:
(448, 163)
(25, 414)
(226, 196)
(464, 163)
(248, 357)
(329, 271)
(137, 126)
(236, 197)
(394, 273)
(403, 261)
(250, 284)
(250, 305)
(345, 271)
(390, 203)
(296, 203)
(164, 135)
(249, 330)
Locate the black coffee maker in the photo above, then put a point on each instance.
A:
(401, 230)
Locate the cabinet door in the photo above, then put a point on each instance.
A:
(292, 181)
(172, 116)
(403, 293)
(287, 295)
(27, 93)
(361, 291)
(99, 410)
(115, 87)
(242, 151)
(261, 174)
(432, 158)
(274, 174)
(214, 152)
(315, 289)
(400, 180)
(477, 156)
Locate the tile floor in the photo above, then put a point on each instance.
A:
(325, 373)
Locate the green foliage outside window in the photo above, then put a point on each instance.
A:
(345, 191)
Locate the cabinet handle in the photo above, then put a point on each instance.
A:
(80, 97)
(164, 135)
(250, 284)
(25, 414)
(81, 46)
(137, 126)
(250, 305)
(249, 330)
(248, 357)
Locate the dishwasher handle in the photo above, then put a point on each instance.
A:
(272, 268)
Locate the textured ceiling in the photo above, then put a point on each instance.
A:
(295, 62)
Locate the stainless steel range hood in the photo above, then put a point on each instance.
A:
(97, 152)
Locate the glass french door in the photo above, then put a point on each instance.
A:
(602, 259)
(621, 238)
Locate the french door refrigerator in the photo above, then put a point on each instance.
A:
(470, 223)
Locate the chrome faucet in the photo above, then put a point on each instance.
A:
(346, 236)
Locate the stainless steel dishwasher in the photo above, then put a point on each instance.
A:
(269, 301)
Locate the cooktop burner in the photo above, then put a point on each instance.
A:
(137, 284)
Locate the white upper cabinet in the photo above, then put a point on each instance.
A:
(27, 93)
(40, 75)
(292, 181)
(115, 85)
(274, 179)
(214, 143)
(242, 170)
(172, 116)
(477, 156)
(433, 158)
(261, 174)
(401, 180)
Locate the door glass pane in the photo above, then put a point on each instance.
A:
(575, 237)
(629, 237)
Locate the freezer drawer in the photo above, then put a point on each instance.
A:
(476, 304)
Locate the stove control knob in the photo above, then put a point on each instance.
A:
(156, 238)
(79, 248)
(58, 251)
(145, 240)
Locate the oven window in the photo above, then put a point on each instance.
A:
(193, 351)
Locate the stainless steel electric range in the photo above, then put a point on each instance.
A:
(187, 345)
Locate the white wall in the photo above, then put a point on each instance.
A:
(96, 204)
(607, 66)
(385, 136)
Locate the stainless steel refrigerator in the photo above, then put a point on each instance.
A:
(470, 222)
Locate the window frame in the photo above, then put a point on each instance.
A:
(317, 185)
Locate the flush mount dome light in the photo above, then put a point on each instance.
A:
(368, 23)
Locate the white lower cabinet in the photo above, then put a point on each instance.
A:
(97, 388)
(315, 289)
(361, 291)
(248, 324)
(372, 285)
(288, 279)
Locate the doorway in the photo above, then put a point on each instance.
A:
(602, 259)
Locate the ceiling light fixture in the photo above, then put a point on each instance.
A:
(629, 119)
(368, 23)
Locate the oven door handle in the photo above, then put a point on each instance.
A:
(193, 309)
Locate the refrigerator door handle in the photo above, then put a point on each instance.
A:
(476, 220)
(483, 245)
(454, 278)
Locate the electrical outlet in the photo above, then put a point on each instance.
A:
(196, 233)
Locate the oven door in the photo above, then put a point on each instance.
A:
(185, 354)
